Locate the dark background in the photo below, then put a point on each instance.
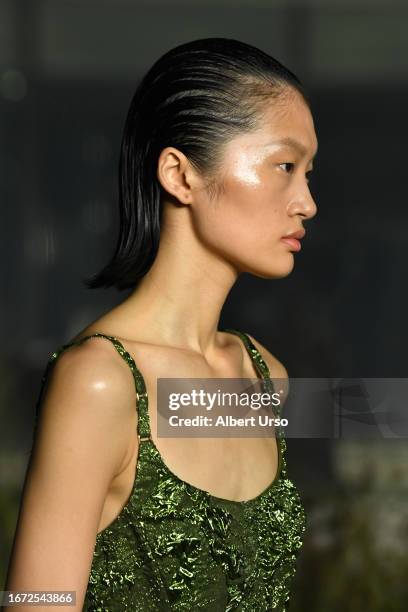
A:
(68, 70)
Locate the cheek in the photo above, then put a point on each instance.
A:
(244, 223)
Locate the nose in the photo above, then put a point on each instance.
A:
(303, 203)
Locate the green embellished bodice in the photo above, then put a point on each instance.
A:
(174, 547)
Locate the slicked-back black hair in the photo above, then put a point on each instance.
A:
(196, 97)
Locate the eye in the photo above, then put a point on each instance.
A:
(290, 166)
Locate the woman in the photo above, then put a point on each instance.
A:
(217, 149)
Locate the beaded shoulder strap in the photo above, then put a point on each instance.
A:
(260, 364)
(143, 423)
(262, 368)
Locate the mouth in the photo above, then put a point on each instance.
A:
(293, 239)
(293, 243)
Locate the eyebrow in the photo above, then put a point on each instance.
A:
(288, 141)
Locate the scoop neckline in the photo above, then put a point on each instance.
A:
(189, 486)
(206, 493)
(185, 483)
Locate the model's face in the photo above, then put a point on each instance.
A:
(265, 192)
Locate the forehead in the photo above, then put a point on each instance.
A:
(290, 121)
(284, 124)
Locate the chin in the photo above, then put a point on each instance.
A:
(274, 271)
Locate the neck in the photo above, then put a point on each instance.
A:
(180, 299)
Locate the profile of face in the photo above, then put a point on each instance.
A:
(265, 192)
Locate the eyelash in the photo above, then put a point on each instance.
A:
(308, 174)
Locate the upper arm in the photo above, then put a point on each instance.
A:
(80, 443)
(276, 368)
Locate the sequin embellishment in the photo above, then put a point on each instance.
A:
(178, 548)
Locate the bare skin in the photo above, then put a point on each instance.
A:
(176, 308)
(169, 325)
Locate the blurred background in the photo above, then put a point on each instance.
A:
(68, 70)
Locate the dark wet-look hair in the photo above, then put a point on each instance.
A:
(196, 98)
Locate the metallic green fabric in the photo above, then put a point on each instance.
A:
(176, 547)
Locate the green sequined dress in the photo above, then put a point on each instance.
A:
(174, 547)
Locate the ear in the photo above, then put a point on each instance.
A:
(176, 175)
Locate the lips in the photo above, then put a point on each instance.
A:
(293, 239)
(298, 234)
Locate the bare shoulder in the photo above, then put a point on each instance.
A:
(93, 366)
(95, 357)
(89, 388)
(80, 443)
